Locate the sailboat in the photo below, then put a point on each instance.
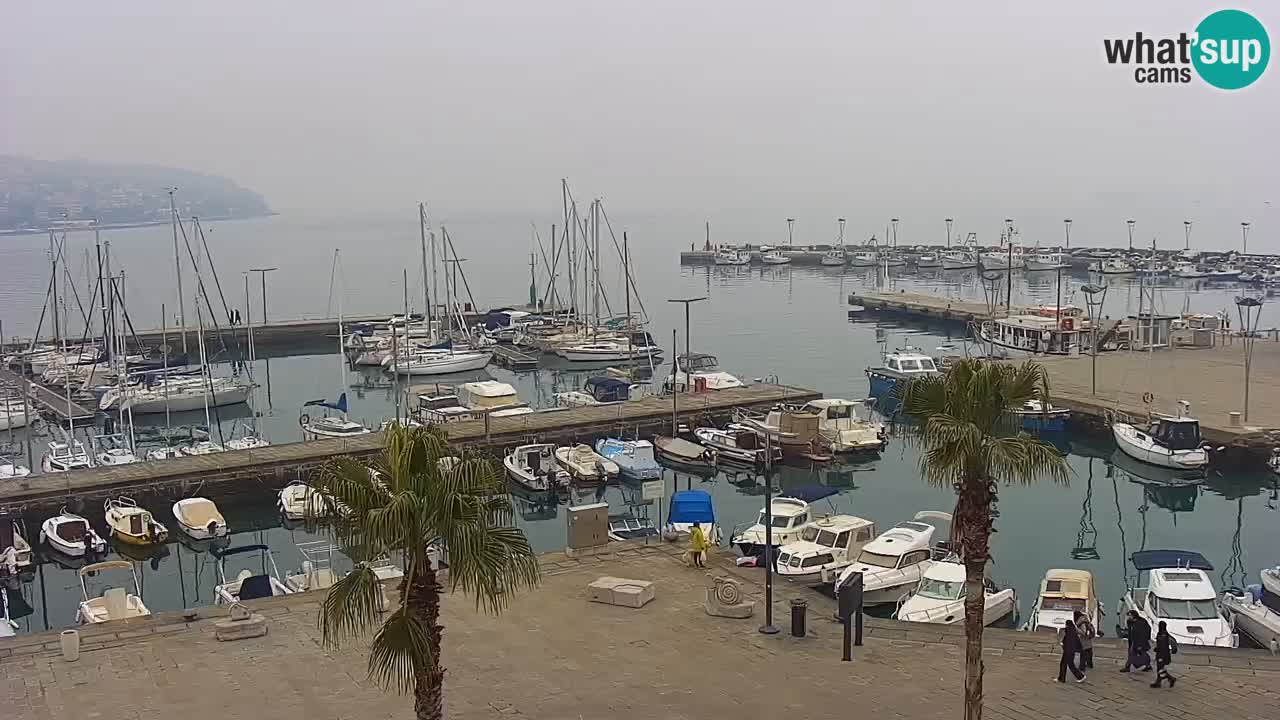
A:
(206, 446)
(251, 439)
(332, 426)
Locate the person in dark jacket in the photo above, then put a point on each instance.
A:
(1070, 646)
(1139, 632)
(1087, 632)
(1166, 646)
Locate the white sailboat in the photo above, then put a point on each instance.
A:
(1170, 442)
(331, 426)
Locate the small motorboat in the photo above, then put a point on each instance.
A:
(625, 526)
(732, 256)
(680, 453)
(586, 465)
(736, 443)
(71, 535)
(894, 561)
(1063, 593)
(247, 585)
(835, 257)
(115, 603)
(15, 551)
(689, 508)
(1035, 416)
(248, 441)
(939, 598)
(842, 431)
(535, 467)
(1178, 592)
(113, 449)
(1171, 442)
(300, 501)
(202, 447)
(199, 518)
(826, 546)
(11, 469)
(634, 458)
(132, 524)
(169, 452)
(64, 457)
(1255, 611)
(789, 513)
(774, 258)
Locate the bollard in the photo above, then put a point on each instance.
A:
(798, 610)
(70, 642)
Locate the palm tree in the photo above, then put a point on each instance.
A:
(963, 423)
(419, 496)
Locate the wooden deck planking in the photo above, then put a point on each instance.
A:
(46, 399)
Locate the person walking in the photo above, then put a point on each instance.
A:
(1139, 632)
(1166, 648)
(1087, 632)
(1070, 646)
(697, 545)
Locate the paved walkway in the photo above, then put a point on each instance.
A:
(554, 655)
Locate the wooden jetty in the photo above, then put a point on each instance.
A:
(272, 467)
(42, 398)
(925, 307)
(513, 359)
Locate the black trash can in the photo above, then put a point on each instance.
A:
(799, 610)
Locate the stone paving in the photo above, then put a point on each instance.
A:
(554, 655)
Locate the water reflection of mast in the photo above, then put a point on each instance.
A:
(1235, 566)
(1124, 546)
(1087, 539)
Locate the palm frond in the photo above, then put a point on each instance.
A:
(1023, 459)
(489, 563)
(350, 607)
(400, 652)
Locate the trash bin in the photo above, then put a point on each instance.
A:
(799, 608)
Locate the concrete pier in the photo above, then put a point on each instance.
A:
(925, 307)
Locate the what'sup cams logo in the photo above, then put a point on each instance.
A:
(1228, 50)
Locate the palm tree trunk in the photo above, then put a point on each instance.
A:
(423, 602)
(973, 518)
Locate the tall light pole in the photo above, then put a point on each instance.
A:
(1008, 291)
(687, 352)
(1186, 230)
(1244, 238)
(1130, 223)
(1094, 297)
(1250, 310)
(791, 222)
(894, 223)
(768, 628)
(949, 221)
(1066, 224)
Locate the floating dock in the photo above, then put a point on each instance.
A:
(42, 398)
(925, 307)
(276, 465)
(513, 359)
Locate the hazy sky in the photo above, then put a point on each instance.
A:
(327, 106)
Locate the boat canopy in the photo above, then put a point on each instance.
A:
(607, 389)
(809, 493)
(1153, 559)
(1067, 583)
(1176, 433)
(106, 565)
(242, 549)
(692, 506)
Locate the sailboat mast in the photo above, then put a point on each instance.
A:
(426, 291)
(626, 282)
(177, 265)
(342, 358)
(57, 322)
(164, 347)
(205, 379)
(595, 258)
(248, 331)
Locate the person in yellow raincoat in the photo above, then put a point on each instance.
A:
(697, 545)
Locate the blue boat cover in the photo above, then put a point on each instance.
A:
(607, 389)
(809, 493)
(692, 506)
(1159, 559)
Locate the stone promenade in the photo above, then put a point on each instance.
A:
(554, 655)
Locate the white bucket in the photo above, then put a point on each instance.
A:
(70, 641)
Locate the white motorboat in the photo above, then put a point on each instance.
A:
(865, 259)
(113, 449)
(1002, 260)
(1113, 266)
(13, 414)
(939, 598)
(774, 258)
(300, 501)
(202, 447)
(199, 518)
(904, 363)
(697, 372)
(331, 426)
(585, 464)
(634, 458)
(1179, 594)
(1171, 442)
(248, 441)
(11, 469)
(607, 351)
(65, 456)
(736, 443)
(842, 431)
(959, 260)
(247, 584)
(15, 551)
(1224, 272)
(626, 526)
(164, 453)
(835, 257)
(132, 524)
(535, 467)
(1048, 261)
(825, 547)
(71, 535)
(1063, 593)
(788, 516)
(894, 561)
(437, 362)
(732, 256)
(1188, 271)
(929, 261)
(115, 603)
(1255, 611)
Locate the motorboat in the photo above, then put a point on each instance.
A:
(625, 526)
(1001, 260)
(1026, 335)
(1036, 416)
(774, 258)
(116, 603)
(1189, 271)
(698, 372)
(201, 447)
(497, 399)
(788, 516)
(1255, 610)
(736, 444)
(247, 584)
(634, 458)
(842, 431)
(15, 551)
(893, 562)
(835, 257)
(1179, 594)
(1224, 272)
(959, 260)
(71, 535)
(586, 465)
(929, 261)
(65, 456)
(732, 256)
(300, 501)
(608, 351)
(689, 508)
(600, 390)
(1171, 442)
(1047, 261)
(683, 454)
(168, 452)
(795, 429)
(113, 449)
(199, 518)
(132, 524)
(11, 469)
(1063, 593)
(247, 441)
(825, 547)
(13, 414)
(1113, 266)
(940, 595)
(536, 468)
(900, 365)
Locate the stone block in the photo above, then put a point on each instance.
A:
(623, 592)
(740, 610)
(253, 626)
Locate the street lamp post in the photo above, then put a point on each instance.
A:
(949, 221)
(791, 222)
(768, 628)
(687, 351)
(1130, 223)
(1008, 291)
(1186, 230)
(1250, 310)
(1094, 297)
(1244, 238)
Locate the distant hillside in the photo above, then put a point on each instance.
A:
(35, 192)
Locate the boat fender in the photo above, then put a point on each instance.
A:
(304, 419)
(1147, 398)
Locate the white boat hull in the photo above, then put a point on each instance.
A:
(998, 605)
(446, 365)
(1137, 445)
(1255, 620)
(610, 355)
(183, 402)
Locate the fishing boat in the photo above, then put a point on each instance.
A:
(774, 258)
(1036, 416)
(895, 560)
(115, 603)
(939, 597)
(1188, 271)
(199, 518)
(795, 429)
(899, 366)
(65, 456)
(535, 467)
(735, 444)
(1063, 593)
(1178, 593)
(11, 469)
(825, 547)
(132, 524)
(634, 458)
(788, 515)
(959, 260)
(1047, 261)
(1171, 442)
(689, 508)
(586, 465)
(842, 431)
(929, 261)
(835, 257)
(685, 455)
(699, 372)
(1003, 259)
(1255, 610)
(71, 535)
(865, 259)
(113, 449)
(732, 256)
(1113, 266)
(330, 426)
(1027, 335)
(626, 526)
(247, 584)
(300, 501)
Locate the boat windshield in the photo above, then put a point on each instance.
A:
(809, 534)
(826, 538)
(782, 521)
(701, 362)
(1177, 435)
(941, 589)
(1063, 604)
(866, 557)
(1185, 609)
(840, 412)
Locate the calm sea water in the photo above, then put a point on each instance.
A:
(790, 322)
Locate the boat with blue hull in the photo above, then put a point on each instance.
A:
(902, 364)
(634, 458)
(1036, 417)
